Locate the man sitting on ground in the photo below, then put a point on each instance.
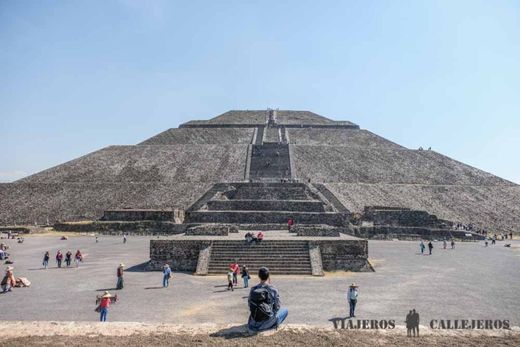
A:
(264, 305)
(259, 237)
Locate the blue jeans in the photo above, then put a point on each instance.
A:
(246, 281)
(281, 315)
(103, 315)
(166, 281)
(352, 304)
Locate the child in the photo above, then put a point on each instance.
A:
(230, 280)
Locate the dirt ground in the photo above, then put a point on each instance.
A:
(14, 334)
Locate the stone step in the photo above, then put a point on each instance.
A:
(269, 193)
(265, 217)
(266, 205)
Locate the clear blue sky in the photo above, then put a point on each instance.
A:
(76, 76)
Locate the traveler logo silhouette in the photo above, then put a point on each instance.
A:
(412, 323)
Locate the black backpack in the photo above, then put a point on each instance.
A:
(261, 304)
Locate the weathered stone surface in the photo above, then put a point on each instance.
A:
(317, 230)
(401, 217)
(181, 255)
(127, 227)
(134, 215)
(411, 233)
(349, 255)
(212, 229)
(315, 256)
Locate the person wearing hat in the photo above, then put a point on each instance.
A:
(264, 305)
(120, 271)
(167, 274)
(8, 281)
(352, 296)
(104, 305)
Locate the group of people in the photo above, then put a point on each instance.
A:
(78, 258)
(422, 245)
(232, 275)
(252, 238)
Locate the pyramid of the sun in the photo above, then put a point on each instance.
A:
(174, 168)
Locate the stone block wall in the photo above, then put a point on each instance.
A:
(212, 229)
(181, 255)
(409, 233)
(136, 215)
(118, 227)
(348, 255)
(317, 230)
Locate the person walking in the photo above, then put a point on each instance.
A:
(124, 238)
(104, 305)
(167, 274)
(245, 276)
(68, 258)
(230, 280)
(264, 305)
(444, 244)
(352, 296)
(422, 247)
(8, 281)
(430, 247)
(78, 258)
(46, 258)
(59, 258)
(452, 244)
(120, 281)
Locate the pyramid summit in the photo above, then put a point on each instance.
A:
(353, 168)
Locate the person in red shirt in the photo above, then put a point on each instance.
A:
(260, 237)
(104, 305)
(236, 269)
(290, 223)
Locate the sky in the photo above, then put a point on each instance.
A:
(77, 76)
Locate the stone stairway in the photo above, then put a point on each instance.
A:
(264, 203)
(270, 162)
(280, 256)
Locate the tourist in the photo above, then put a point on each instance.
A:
(120, 281)
(494, 239)
(249, 238)
(352, 296)
(8, 281)
(486, 242)
(264, 305)
(409, 324)
(511, 235)
(59, 258)
(230, 279)
(415, 323)
(68, 258)
(78, 258)
(124, 238)
(167, 274)
(46, 258)
(2, 254)
(259, 237)
(430, 247)
(290, 223)
(245, 276)
(444, 244)
(236, 269)
(452, 244)
(104, 305)
(97, 239)
(422, 247)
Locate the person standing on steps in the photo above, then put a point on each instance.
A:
(120, 281)
(430, 247)
(167, 274)
(352, 296)
(245, 276)
(264, 305)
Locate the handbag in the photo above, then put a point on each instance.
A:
(98, 309)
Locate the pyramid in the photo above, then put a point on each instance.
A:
(174, 169)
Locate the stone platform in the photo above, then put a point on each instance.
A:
(281, 251)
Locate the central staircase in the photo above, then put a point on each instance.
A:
(281, 257)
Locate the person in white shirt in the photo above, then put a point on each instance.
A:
(352, 296)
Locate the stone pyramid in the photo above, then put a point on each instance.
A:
(173, 169)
